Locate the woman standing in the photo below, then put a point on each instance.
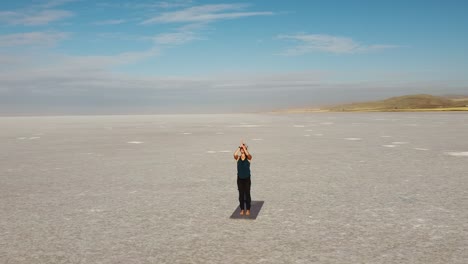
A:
(243, 177)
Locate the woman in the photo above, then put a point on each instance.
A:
(243, 177)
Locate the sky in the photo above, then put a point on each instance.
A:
(188, 56)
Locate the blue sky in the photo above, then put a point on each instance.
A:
(81, 56)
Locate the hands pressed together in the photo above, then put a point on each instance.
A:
(244, 150)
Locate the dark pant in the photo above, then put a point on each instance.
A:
(243, 185)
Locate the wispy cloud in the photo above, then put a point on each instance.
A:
(37, 13)
(196, 18)
(172, 4)
(76, 84)
(33, 18)
(109, 61)
(175, 38)
(205, 13)
(123, 36)
(32, 39)
(149, 5)
(55, 3)
(331, 44)
(109, 22)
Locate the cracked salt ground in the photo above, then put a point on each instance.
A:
(168, 201)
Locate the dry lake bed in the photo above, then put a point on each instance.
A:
(337, 188)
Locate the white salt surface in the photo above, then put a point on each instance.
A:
(169, 201)
(353, 139)
(389, 146)
(134, 142)
(246, 126)
(458, 154)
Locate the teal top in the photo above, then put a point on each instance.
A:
(243, 168)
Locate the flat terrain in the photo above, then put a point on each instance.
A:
(338, 188)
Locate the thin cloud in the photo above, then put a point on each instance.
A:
(33, 18)
(153, 5)
(122, 36)
(55, 3)
(172, 4)
(104, 62)
(79, 84)
(32, 39)
(175, 38)
(204, 13)
(332, 44)
(194, 19)
(109, 22)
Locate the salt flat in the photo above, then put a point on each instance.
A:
(160, 189)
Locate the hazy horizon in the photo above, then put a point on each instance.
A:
(62, 57)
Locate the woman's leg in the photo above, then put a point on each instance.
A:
(247, 195)
(241, 199)
(241, 194)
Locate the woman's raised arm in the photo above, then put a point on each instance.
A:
(236, 154)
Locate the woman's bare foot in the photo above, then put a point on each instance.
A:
(248, 212)
(242, 212)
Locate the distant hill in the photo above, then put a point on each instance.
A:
(415, 102)
(408, 103)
